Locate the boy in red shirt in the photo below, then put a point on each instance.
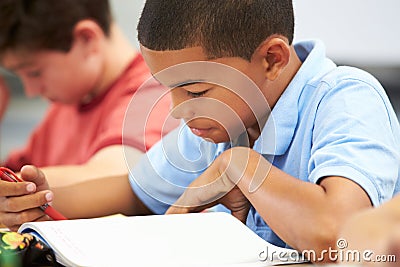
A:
(74, 55)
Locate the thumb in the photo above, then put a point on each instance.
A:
(33, 174)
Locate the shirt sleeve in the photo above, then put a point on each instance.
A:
(348, 139)
(165, 171)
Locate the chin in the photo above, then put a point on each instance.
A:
(66, 102)
(217, 140)
(210, 140)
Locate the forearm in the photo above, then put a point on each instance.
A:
(296, 211)
(303, 214)
(107, 162)
(97, 188)
(65, 175)
(98, 197)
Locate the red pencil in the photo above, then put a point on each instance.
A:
(9, 176)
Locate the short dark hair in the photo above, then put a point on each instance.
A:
(224, 28)
(33, 25)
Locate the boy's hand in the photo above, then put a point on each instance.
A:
(19, 202)
(217, 185)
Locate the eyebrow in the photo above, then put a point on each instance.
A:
(185, 83)
(19, 66)
(180, 84)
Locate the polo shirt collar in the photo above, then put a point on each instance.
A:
(278, 132)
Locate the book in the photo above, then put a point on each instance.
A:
(196, 239)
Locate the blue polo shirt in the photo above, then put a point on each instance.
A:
(330, 121)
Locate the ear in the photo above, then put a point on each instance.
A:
(274, 54)
(87, 35)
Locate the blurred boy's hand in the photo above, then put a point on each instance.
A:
(19, 202)
(374, 230)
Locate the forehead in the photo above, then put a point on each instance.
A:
(160, 60)
(169, 67)
(191, 65)
(18, 60)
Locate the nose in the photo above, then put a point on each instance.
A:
(182, 110)
(32, 88)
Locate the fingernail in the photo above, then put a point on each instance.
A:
(49, 196)
(31, 188)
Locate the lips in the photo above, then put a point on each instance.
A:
(200, 131)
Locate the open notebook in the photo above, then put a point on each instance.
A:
(203, 239)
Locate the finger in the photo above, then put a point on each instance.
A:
(180, 206)
(14, 220)
(16, 189)
(197, 198)
(33, 174)
(177, 210)
(25, 202)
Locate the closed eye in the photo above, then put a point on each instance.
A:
(196, 94)
(34, 74)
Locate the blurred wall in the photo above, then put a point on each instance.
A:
(362, 32)
(127, 13)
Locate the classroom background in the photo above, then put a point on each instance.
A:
(361, 33)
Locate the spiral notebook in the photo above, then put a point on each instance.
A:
(203, 239)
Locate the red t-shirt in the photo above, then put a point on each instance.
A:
(73, 134)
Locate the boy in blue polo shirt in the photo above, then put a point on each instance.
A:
(328, 148)
(289, 142)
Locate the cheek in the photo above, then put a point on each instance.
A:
(177, 97)
(81, 75)
(245, 112)
(66, 86)
(231, 104)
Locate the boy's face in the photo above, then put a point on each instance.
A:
(212, 111)
(60, 77)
